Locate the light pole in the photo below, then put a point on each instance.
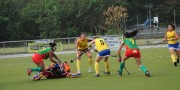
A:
(149, 6)
(174, 17)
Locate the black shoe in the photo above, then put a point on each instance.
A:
(177, 60)
(147, 74)
(107, 73)
(97, 75)
(119, 73)
(175, 64)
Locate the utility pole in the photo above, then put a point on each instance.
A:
(137, 21)
(149, 6)
(174, 17)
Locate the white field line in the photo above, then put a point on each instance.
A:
(70, 52)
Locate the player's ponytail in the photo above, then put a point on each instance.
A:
(131, 34)
(52, 44)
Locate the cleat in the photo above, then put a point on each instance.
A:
(29, 71)
(177, 60)
(175, 64)
(38, 76)
(97, 75)
(147, 74)
(79, 74)
(107, 73)
(119, 73)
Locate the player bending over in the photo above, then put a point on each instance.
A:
(132, 50)
(103, 52)
(43, 54)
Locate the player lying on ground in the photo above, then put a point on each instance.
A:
(132, 50)
(56, 71)
(43, 54)
(103, 52)
(172, 37)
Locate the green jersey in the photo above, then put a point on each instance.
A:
(45, 52)
(130, 43)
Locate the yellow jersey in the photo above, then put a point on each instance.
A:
(101, 44)
(171, 35)
(82, 44)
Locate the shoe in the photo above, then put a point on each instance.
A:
(107, 73)
(177, 60)
(97, 75)
(79, 74)
(119, 73)
(29, 71)
(147, 74)
(38, 76)
(78, 71)
(175, 64)
(90, 70)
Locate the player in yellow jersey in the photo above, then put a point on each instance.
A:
(172, 37)
(103, 52)
(82, 46)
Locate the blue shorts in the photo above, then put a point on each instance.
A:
(104, 53)
(174, 46)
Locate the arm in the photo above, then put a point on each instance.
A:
(54, 55)
(91, 42)
(165, 36)
(51, 54)
(177, 36)
(119, 49)
(76, 45)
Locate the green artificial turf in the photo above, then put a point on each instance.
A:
(164, 75)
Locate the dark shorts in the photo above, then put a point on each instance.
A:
(104, 53)
(174, 46)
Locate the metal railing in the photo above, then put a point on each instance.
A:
(68, 44)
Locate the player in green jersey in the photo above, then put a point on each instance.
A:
(132, 50)
(44, 54)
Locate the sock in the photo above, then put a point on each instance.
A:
(173, 57)
(121, 67)
(97, 67)
(38, 69)
(90, 62)
(107, 66)
(143, 68)
(78, 65)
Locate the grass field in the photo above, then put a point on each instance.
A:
(13, 74)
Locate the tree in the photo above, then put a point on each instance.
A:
(115, 16)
